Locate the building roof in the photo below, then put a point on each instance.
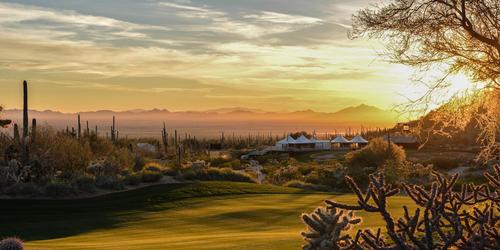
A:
(340, 139)
(303, 140)
(288, 140)
(358, 139)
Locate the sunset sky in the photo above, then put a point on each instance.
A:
(192, 55)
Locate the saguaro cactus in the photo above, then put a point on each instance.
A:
(88, 129)
(24, 142)
(175, 139)
(16, 133)
(33, 130)
(25, 109)
(113, 130)
(164, 137)
(79, 127)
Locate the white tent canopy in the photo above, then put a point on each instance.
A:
(340, 139)
(359, 139)
(303, 140)
(288, 140)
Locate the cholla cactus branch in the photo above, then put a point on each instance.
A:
(325, 227)
(444, 219)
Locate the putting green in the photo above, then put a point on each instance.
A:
(213, 215)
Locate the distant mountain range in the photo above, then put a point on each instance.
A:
(240, 121)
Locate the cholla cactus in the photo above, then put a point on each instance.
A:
(324, 228)
(444, 219)
(11, 244)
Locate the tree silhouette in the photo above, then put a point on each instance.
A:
(456, 36)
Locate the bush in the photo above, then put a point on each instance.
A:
(59, 152)
(235, 165)
(132, 180)
(375, 155)
(11, 244)
(153, 167)
(59, 189)
(86, 184)
(109, 182)
(216, 174)
(169, 171)
(445, 164)
(138, 164)
(306, 186)
(24, 189)
(150, 176)
(332, 177)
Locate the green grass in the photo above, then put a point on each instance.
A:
(208, 215)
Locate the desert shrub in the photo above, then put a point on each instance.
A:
(169, 171)
(24, 189)
(11, 243)
(107, 167)
(150, 176)
(153, 167)
(59, 152)
(216, 174)
(395, 171)
(100, 146)
(363, 162)
(285, 174)
(306, 186)
(332, 177)
(59, 189)
(109, 182)
(122, 158)
(132, 180)
(234, 164)
(217, 162)
(139, 164)
(86, 184)
(443, 163)
(306, 169)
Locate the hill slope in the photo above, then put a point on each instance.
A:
(240, 121)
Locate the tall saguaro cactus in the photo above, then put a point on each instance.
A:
(16, 134)
(24, 142)
(33, 130)
(25, 109)
(113, 130)
(79, 127)
(164, 137)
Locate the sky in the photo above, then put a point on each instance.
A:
(276, 55)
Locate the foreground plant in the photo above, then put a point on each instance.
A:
(444, 219)
(11, 244)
